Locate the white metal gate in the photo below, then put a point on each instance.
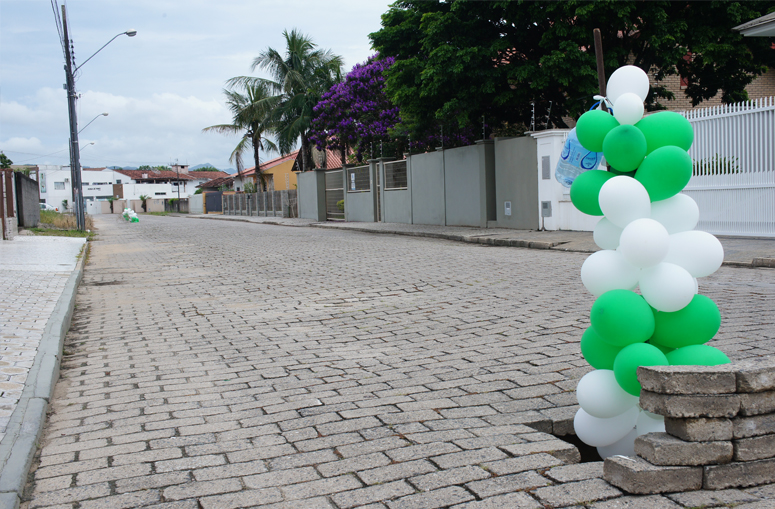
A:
(733, 178)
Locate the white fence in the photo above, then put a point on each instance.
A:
(733, 179)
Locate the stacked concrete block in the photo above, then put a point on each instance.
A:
(720, 429)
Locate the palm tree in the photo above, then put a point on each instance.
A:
(252, 117)
(299, 78)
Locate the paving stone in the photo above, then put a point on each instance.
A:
(396, 471)
(578, 472)
(756, 448)
(444, 497)
(443, 478)
(701, 429)
(704, 498)
(124, 501)
(557, 448)
(637, 502)
(664, 449)
(739, 475)
(378, 493)
(508, 501)
(245, 498)
(755, 375)
(311, 489)
(281, 477)
(754, 426)
(688, 379)
(576, 493)
(682, 406)
(507, 483)
(637, 476)
(757, 403)
(475, 457)
(538, 461)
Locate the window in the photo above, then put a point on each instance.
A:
(395, 175)
(118, 181)
(59, 186)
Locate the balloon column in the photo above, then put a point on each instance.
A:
(648, 240)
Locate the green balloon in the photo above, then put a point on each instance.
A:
(664, 349)
(697, 355)
(624, 148)
(630, 358)
(585, 190)
(666, 128)
(598, 353)
(695, 324)
(665, 172)
(592, 128)
(621, 318)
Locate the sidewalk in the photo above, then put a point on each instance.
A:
(738, 251)
(38, 282)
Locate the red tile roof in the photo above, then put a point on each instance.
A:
(216, 183)
(200, 175)
(151, 175)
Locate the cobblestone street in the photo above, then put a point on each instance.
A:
(215, 364)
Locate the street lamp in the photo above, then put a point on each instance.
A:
(75, 152)
(92, 143)
(92, 120)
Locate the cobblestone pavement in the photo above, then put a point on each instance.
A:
(216, 364)
(30, 289)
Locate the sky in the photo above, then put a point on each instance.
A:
(159, 88)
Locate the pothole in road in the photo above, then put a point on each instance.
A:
(588, 453)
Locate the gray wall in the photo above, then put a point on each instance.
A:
(427, 188)
(27, 200)
(361, 205)
(194, 204)
(470, 184)
(312, 195)
(517, 181)
(397, 205)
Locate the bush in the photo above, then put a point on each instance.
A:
(63, 221)
(340, 205)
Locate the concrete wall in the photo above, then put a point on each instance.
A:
(195, 204)
(564, 216)
(27, 200)
(427, 186)
(517, 183)
(470, 184)
(312, 195)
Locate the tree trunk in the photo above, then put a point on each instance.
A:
(304, 153)
(257, 177)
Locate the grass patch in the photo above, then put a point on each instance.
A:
(157, 213)
(54, 232)
(63, 221)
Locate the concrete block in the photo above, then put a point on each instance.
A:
(638, 476)
(756, 448)
(722, 405)
(753, 426)
(688, 379)
(664, 449)
(756, 375)
(701, 429)
(757, 403)
(739, 475)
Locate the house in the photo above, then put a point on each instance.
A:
(217, 183)
(278, 173)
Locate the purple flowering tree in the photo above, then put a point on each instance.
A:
(356, 114)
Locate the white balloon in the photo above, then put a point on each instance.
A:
(601, 396)
(628, 108)
(627, 79)
(623, 200)
(606, 234)
(700, 253)
(667, 287)
(649, 423)
(624, 447)
(608, 270)
(601, 432)
(678, 213)
(644, 243)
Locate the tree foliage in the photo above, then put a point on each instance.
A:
(299, 77)
(457, 62)
(356, 113)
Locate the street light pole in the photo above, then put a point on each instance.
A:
(92, 120)
(75, 160)
(75, 153)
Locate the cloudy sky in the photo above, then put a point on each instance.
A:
(161, 87)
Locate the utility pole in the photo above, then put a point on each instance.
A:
(177, 169)
(75, 160)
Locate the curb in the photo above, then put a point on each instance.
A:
(25, 427)
(529, 244)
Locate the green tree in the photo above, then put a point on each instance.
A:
(299, 77)
(459, 61)
(4, 161)
(251, 117)
(144, 202)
